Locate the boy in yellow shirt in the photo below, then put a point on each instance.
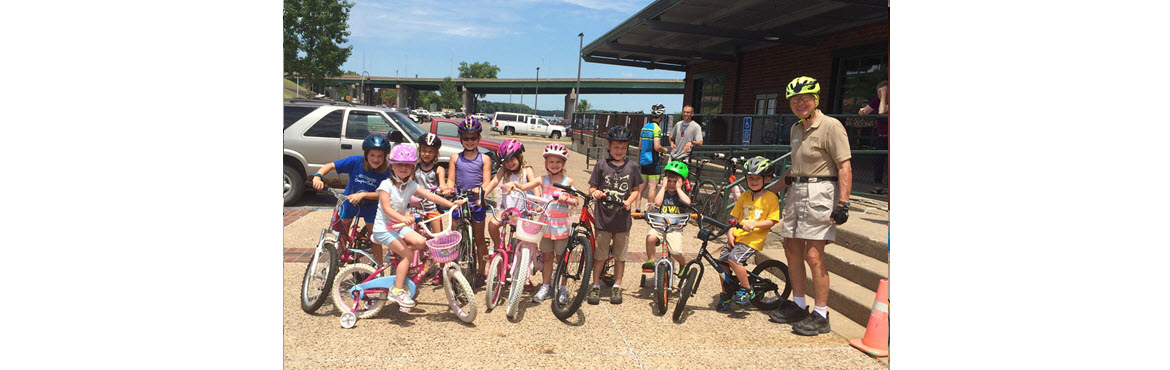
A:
(756, 211)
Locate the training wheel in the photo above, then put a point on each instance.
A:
(642, 283)
(348, 319)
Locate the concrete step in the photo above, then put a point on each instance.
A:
(858, 268)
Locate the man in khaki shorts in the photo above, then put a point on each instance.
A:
(821, 178)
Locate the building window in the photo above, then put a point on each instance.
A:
(766, 104)
(707, 93)
(856, 82)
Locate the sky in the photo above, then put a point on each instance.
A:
(430, 38)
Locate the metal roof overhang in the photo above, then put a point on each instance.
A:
(528, 86)
(672, 34)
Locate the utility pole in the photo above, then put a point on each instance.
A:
(534, 108)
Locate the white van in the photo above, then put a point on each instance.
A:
(522, 123)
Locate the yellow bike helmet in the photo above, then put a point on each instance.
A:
(802, 85)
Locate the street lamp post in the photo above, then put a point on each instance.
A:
(577, 91)
(537, 100)
(365, 76)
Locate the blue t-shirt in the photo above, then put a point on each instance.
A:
(650, 133)
(359, 179)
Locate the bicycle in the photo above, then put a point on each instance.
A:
(568, 269)
(510, 262)
(768, 293)
(664, 279)
(335, 246)
(361, 294)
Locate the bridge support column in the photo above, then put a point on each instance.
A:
(570, 103)
(468, 108)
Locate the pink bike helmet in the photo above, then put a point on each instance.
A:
(509, 148)
(404, 153)
(557, 150)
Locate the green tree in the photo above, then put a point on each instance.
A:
(313, 33)
(389, 96)
(478, 70)
(426, 98)
(451, 97)
(583, 106)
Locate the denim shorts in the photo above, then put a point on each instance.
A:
(385, 238)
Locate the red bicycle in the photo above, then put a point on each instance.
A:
(575, 266)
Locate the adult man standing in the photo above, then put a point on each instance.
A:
(821, 178)
(684, 136)
(880, 105)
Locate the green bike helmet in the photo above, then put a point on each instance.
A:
(679, 168)
(757, 166)
(802, 85)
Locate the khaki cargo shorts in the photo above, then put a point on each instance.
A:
(620, 244)
(673, 241)
(806, 211)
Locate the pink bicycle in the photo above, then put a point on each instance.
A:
(511, 260)
(360, 293)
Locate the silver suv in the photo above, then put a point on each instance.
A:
(317, 132)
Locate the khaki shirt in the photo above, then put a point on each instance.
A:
(817, 151)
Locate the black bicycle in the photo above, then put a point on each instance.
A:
(769, 294)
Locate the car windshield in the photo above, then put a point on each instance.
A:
(407, 124)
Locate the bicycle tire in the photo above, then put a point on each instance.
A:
(459, 294)
(770, 299)
(567, 269)
(707, 195)
(467, 258)
(687, 287)
(348, 277)
(661, 288)
(319, 274)
(520, 276)
(491, 290)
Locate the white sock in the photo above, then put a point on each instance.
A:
(617, 285)
(544, 286)
(824, 311)
(596, 286)
(800, 302)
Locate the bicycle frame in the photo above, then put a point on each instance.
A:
(507, 249)
(421, 269)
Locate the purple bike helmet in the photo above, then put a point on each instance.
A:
(403, 153)
(509, 148)
(470, 126)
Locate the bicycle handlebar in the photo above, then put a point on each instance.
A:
(603, 199)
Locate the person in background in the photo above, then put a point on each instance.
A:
(880, 105)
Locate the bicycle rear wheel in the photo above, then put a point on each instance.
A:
(708, 199)
(352, 275)
(772, 288)
(459, 293)
(319, 276)
(573, 271)
(467, 258)
(687, 289)
(661, 288)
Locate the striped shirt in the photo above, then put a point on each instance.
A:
(557, 216)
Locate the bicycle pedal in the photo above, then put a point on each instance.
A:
(648, 271)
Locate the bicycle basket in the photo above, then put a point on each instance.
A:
(667, 222)
(444, 247)
(529, 230)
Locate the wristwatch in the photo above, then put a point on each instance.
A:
(319, 175)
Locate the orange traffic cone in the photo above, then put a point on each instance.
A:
(877, 333)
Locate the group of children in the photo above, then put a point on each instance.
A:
(393, 175)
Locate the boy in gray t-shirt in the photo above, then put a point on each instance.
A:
(618, 179)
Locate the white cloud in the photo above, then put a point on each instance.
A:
(415, 19)
(627, 75)
(625, 6)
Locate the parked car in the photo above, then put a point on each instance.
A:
(317, 132)
(449, 129)
(482, 117)
(520, 123)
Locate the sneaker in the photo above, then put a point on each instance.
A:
(402, 297)
(563, 296)
(542, 294)
(724, 302)
(648, 266)
(744, 295)
(788, 312)
(813, 324)
(594, 295)
(615, 296)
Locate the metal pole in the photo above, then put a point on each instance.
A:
(577, 91)
(537, 94)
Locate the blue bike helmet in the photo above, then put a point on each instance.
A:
(376, 141)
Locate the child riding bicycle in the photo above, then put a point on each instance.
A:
(668, 200)
(756, 211)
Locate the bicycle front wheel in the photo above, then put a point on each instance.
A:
(661, 288)
(573, 271)
(319, 276)
(519, 277)
(467, 257)
(459, 293)
(772, 287)
(491, 291)
(708, 199)
(687, 289)
(347, 278)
